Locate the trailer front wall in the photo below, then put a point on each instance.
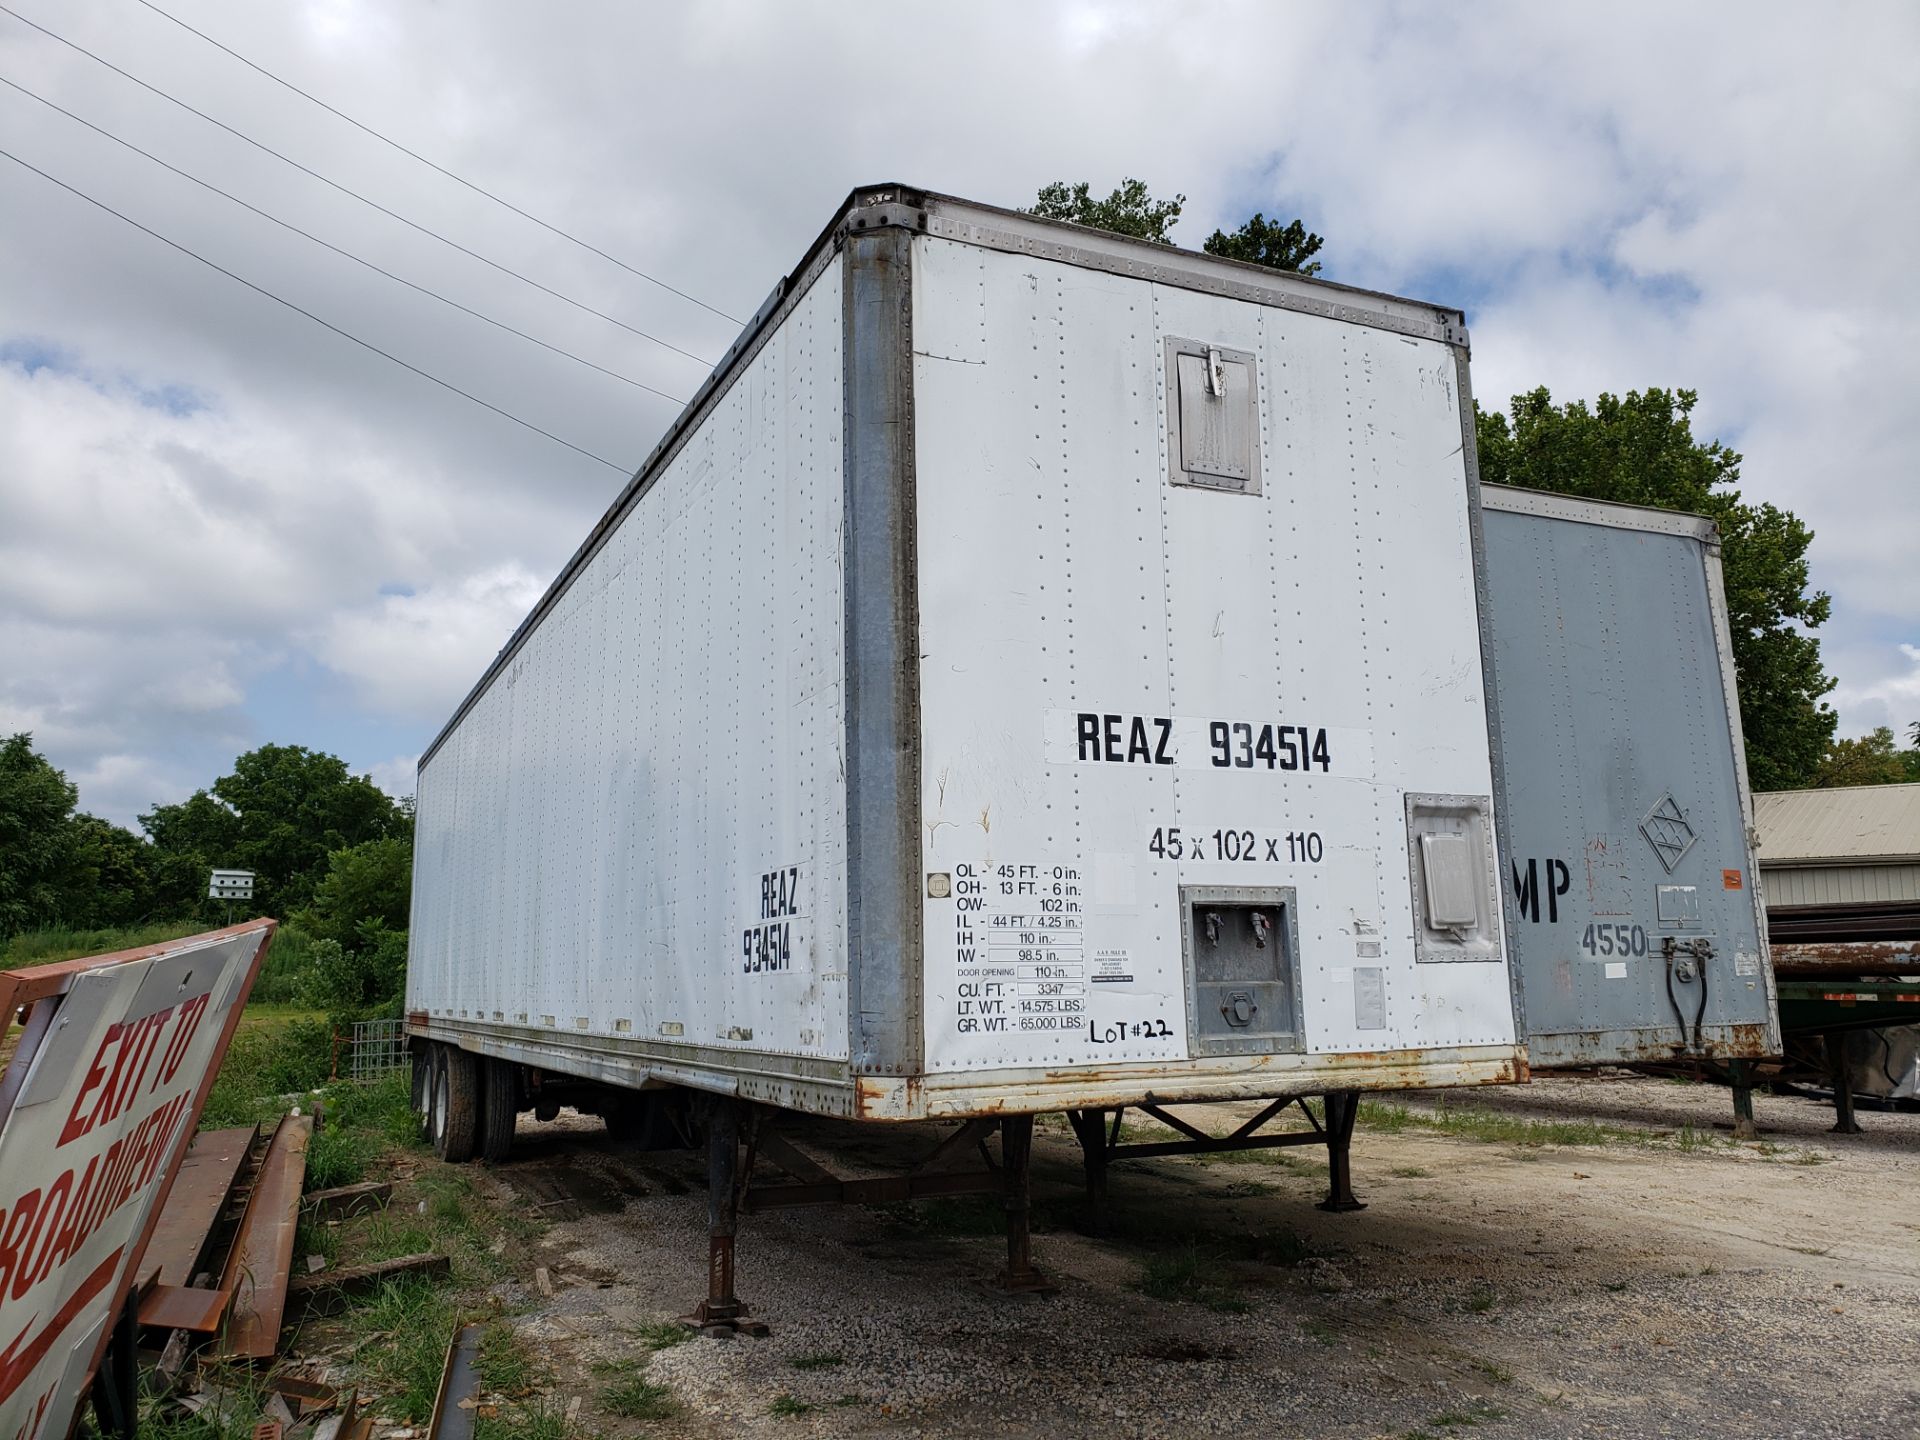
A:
(1626, 811)
(1062, 574)
(637, 832)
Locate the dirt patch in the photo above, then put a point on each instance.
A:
(1669, 1283)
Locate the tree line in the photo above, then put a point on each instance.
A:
(329, 849)
(1637, 450)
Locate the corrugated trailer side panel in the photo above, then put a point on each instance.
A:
(1638, 928)
(1062, 573)
(636, 834)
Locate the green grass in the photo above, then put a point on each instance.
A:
(638, 1398)
(1193, 1275)
(788, 1406)
(49, 947)
(1498, 1374)
(663, 1334)
(505, 1365)
(412, 1319)
(1480, 1299)
(1495, 1128)
(265, 1064)
(818, 1360)
(542, 1418)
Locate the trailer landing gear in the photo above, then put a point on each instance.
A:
(1100, 1145)
(722, 1312)
(1016, 1158)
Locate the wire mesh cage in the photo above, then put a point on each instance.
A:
(379, 1047)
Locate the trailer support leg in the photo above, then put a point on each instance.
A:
(1843, 1121)
(1343, 1107)
(722, 1310)
(1091, 1128)
(1016, 1157)
(116, 1384)
(1743, 1126)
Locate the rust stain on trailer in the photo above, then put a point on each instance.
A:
(1731, 1042)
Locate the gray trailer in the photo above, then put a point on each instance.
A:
(1639, 932)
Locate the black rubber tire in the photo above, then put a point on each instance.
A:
(498, 1108)
(421, 1064)
(457, 1113)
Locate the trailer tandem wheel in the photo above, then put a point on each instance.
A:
(498, 1108)
(456, 1104)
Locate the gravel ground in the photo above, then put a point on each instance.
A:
(1671, 1284)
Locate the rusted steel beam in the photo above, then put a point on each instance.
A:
(181, 1307)
(1836, 958)
(792, 1159)
(194, 1205)
(965, 1137)
(1173, 1122)
(459, 1382)
(262, 1260)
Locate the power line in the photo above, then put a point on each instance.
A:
(431, 165)
(287, 225)
(324, 324)
(392, 214)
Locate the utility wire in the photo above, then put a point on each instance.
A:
(431, 165)
(286, 225)
(305, 170)
(324, 324)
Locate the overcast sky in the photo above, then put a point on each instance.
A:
(221, 525)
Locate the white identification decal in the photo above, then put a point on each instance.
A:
(770, 943)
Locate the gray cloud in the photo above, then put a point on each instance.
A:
(204, 489)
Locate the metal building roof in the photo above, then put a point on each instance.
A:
(1843, 826)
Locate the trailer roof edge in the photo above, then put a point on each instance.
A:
(946, 216)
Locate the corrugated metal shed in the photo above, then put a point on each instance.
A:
(1849, 846)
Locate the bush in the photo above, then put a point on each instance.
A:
(363, 982)
(263, 1066)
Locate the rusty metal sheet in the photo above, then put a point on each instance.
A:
(194, 1203)
(1840, 958)
(459, 1381)
(258, 1270)
(98, 1103)
(182, 1307)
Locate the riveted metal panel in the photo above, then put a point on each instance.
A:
(638, 827)
(1086, 625)
(1627, 817)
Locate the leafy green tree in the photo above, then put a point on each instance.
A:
(1873, 759)
(1267, 242)
(1641, 450)
(1129, 210)
(35, 801)
(369, 881)
(280, 814)
(108, 877)
(363, 979)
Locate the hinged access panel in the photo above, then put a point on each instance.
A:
(1639, 933)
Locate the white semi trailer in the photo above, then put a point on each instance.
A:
(1040, 671)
